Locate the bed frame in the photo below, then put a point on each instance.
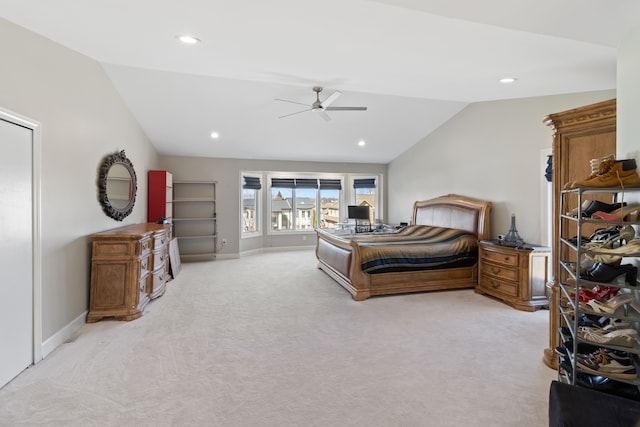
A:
(340, 257)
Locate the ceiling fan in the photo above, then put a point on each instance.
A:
(322, 107)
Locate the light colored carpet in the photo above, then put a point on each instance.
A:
(270, 340)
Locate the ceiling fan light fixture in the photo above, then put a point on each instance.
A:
(361, 143)
(215, 135)
(186, 39)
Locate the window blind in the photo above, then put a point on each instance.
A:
(364, 183)
(251, 183)
(330, 184)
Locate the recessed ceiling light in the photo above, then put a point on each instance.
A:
(188, 39)
(215, 135)
(361, 143)
(508, 80)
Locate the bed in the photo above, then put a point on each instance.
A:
(369, 264)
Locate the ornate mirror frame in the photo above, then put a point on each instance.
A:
(117, 213)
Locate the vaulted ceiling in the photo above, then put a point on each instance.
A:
(413, 63)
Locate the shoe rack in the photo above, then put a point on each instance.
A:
(576, 341)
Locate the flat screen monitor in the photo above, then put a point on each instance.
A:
(358, 212)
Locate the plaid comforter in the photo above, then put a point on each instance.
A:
(417, 247)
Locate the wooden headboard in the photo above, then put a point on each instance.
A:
(453, 211)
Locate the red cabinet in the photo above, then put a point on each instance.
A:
(160, 195)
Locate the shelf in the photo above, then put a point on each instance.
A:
(195, 200)
(195, 218)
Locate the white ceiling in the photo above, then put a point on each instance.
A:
(413, 63)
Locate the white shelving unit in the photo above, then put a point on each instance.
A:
(194, 219)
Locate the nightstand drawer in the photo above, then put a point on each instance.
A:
(493, 285)
(500, 271)
(500, 257)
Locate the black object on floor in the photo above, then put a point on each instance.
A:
(574, 406)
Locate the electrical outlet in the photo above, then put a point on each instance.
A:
(304, 237)
(224, 242)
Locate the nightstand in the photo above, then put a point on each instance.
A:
(517, 276)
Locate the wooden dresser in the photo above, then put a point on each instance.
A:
(129, 267)
(517, 276)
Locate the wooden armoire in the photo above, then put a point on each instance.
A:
(580, 135)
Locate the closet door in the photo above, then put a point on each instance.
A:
(16, 251)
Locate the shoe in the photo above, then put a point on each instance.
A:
(614, 255)
(599, 292)
(604, 167)
(585, 205)
(608, 237)
(627, 213)
(620, 174)
(602, 363)
(598, 206)
(595, 163)
(620, 337)
(608, 307)
(606, 273)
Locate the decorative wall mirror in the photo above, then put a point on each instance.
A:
(117, 186)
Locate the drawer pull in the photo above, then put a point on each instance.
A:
(495, 270)
(495, 285)
(507, 258)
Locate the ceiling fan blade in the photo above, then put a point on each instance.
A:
(323, 114)
(346, 108)
(335, 95)
(293, 114)
(293, 102)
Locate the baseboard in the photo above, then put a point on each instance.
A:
(63, 334)
(227, 256)
(289, 248)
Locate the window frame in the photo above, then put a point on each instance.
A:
(258, 206)
(378, 199)
(302, 175)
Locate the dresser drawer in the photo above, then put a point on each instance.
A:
(159, 258)
(500, 271)
(492, 286)
(159, 240)
(504, 258)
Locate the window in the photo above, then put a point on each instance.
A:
(251, 187)
(300, 202)
(365, 195)
(295, 202)
(330, 203)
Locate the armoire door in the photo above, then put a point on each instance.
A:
(580, 135)
(16, 251)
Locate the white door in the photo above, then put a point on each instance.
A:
(16, 250)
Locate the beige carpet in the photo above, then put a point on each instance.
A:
(270, 340)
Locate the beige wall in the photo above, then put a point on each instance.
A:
(227, 173)
(628, 126)
(491, 151)
(82, 118)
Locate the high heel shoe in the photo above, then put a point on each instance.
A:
(621, 337)
(604, 233)
(609, 236)
(598, 206)
(613, 255)
(606, 273)
(585, 206)
(627, 213)
(608, 307)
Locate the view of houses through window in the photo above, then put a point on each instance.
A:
(299, 204)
